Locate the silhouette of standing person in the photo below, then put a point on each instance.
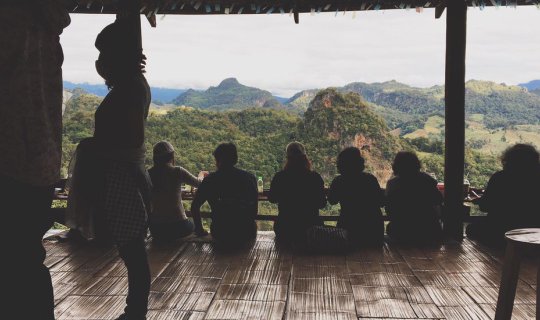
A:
(511, 196)
(30, 147)
(109, 175)
(360, 198)
(413, 202)
(299, 193)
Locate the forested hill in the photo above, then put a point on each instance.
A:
(501, 105)
(228, 95)
(333, 121)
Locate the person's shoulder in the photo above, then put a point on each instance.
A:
(244, 173)
(426, 177)
(315, 175)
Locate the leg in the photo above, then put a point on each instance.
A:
(26, 209)
(507, 290)
(537, 295)
(136, 261)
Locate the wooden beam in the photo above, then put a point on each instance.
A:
(456, 34)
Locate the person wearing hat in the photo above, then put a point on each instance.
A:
(168, 221)
(299, 193)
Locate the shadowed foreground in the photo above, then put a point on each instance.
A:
(192, 281)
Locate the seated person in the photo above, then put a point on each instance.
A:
(413, 202)
(168, 220)
(511, 196)
(299, 193)
(360, 198)
(233, 198)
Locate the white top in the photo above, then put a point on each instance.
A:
(167, 193)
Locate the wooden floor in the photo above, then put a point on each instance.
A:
(191, 281)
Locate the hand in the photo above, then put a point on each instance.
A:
(201, 233)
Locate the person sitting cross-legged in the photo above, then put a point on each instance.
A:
(413, 202)
(168, 221)
(232, 195)
(360, 198)
(511, 197)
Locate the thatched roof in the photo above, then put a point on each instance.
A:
(150, 7)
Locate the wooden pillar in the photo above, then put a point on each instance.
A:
(456, 34)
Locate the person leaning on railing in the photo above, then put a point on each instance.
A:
(413, 202)
(360, 197)
(299, 193)
(232, 195)
(511, 196)
(168, 220)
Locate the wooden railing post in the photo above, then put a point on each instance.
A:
(456, 38)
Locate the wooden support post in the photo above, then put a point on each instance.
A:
(456, 34)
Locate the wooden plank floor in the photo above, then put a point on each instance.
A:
(192, 281)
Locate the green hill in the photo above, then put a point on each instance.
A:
(228, 95)
(502, 105)
(337, 120)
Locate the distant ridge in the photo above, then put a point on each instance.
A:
(159, 95)
(228, 95)
(531, 85)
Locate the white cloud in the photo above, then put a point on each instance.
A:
(271, 52)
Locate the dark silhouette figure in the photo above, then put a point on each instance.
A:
(110, 194)
(299, 193)
(360, 198)
(413, 202)
(233, 198)
(168, 221)
(30, 148)
(511, 196)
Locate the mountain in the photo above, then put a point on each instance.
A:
(335, 120)
(228, 95)
(159, 95)
(531, 85)
(501, 105)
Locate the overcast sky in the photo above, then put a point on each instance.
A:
(272, 53)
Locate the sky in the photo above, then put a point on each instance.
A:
(272, 53)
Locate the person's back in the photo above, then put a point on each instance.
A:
(299, 193)
(511, 196)
(168, 220)
(361, 199)
(511, 200)
(299, 196)
(412, 202)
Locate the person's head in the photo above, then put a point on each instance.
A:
(296, 157)
(406, 163)
(163, 154)
(226, 155)
(520, 157)
(119, 55)
(350, 161)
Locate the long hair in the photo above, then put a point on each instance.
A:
(296, 157)
(119, 53)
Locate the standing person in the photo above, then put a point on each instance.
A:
(511, 196)
(299, 193)
(30, 146)
(109, 172)
(413, 202)
(233, 198)
(168, 221)
(360, 198)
